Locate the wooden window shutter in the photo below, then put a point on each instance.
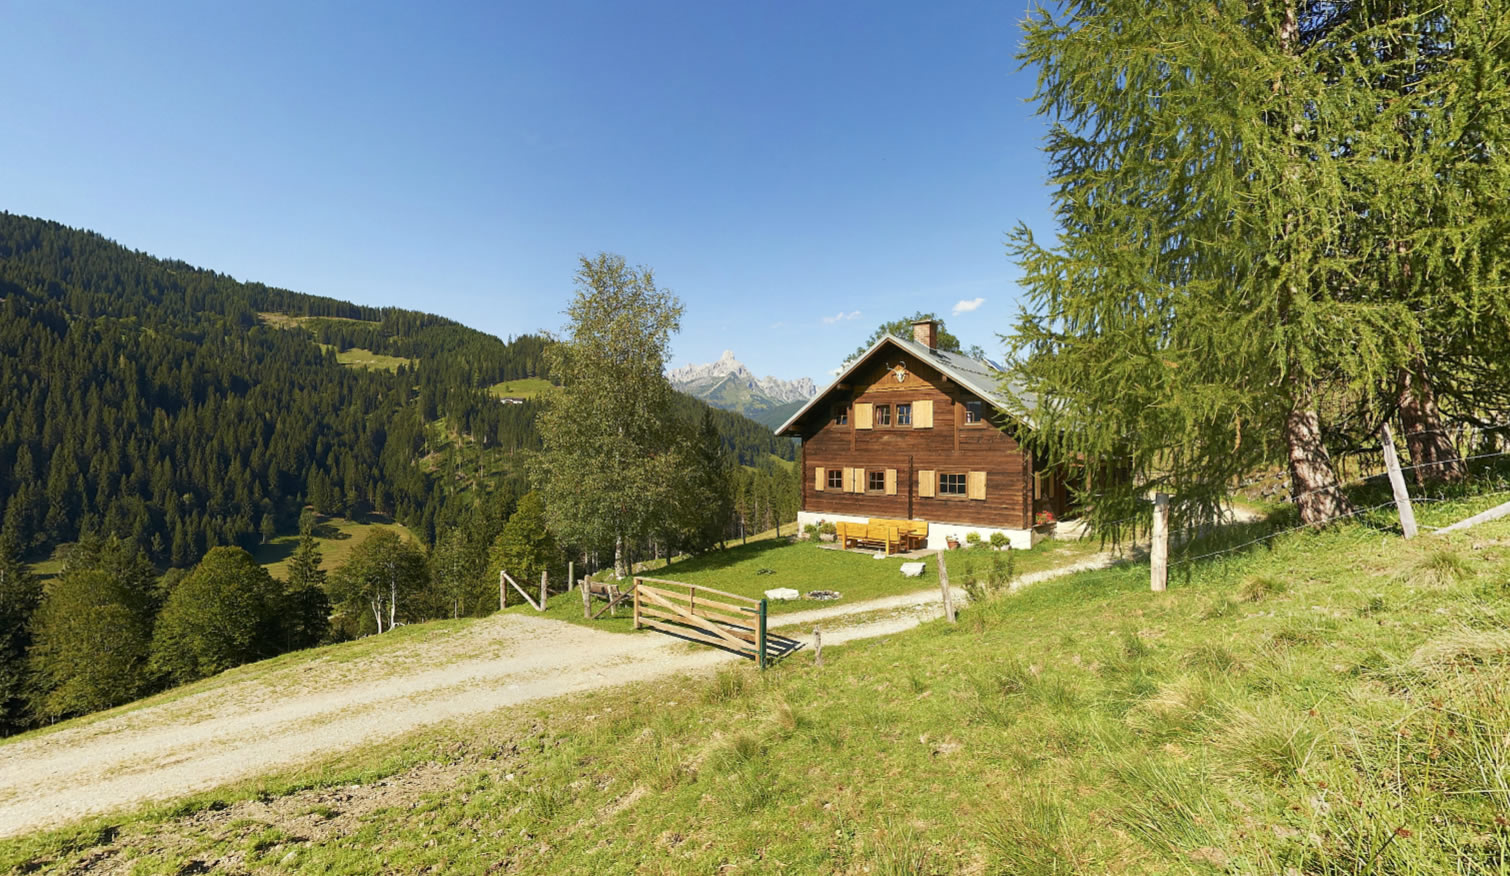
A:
(926, 484)
(848, 484)
(922, 414)
(976, 485)
(820, 478)
(858, 480)
(865, 415)
(891, 482)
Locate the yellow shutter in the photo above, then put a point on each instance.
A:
(975, 484)
(859, 480)
(848, 482)
(926, 483)
(820, 479)
(922, 414)
(891, 482)
(865, 416)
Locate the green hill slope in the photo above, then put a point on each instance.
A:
(1324, 703)
(184, 409)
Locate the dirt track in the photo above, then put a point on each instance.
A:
(285, 716)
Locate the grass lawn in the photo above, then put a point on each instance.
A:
(803, 566)
(337, 536)
(1324, 703)
(526, 387)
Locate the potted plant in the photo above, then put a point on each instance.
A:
(1044, 521)
(951, 541)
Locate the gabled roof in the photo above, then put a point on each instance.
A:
(981, 377)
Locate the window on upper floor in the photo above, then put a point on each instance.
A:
(841, 415)
(904, 415)
(883, 415)
(972, 412)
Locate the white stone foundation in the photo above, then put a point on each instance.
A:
(938, 533)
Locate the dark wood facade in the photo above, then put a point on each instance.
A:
(911, 457)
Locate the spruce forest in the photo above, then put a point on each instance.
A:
(155, 416)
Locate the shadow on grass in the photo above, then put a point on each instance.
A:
(778, 647)
(720, 559)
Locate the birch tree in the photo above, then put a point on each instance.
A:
(606, 471)
(380, 579)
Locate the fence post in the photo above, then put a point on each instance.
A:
(544, 577)
(586, 599)
(1158, 563)
(1397, 483)
(571, 574)
(502, 594)
(817, 647)
(760, 639)
(944, 586)
(636, 603)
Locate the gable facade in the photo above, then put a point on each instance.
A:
(896, 437)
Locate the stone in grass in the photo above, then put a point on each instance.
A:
(824, 595)
(782, 593)
(912, 570)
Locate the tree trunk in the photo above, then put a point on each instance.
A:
(620, 572)
(1313, 482)
(1432, 455)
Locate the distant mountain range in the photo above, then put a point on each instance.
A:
(728, 384)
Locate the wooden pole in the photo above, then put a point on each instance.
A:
(636, 603)
(586, 599)
(571, 574)
(1158, 562)
(1397, 483)
(502, 594)
(760, 637)
(944, 586)
(544, 577)
(817, 647)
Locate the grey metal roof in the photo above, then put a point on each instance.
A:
(981, 377)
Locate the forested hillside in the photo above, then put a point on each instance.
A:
(183, 409)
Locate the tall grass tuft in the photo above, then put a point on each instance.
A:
(1268, 741)
(1257, 588)
(1032, 834)
(1443, 567)
(727, 685)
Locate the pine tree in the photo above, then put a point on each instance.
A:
(306, 608)
(526, 546)
(19, 594)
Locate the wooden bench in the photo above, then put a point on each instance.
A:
(891, 536)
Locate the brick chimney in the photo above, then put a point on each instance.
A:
(926, 333)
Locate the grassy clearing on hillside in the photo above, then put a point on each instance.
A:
(526, 387)
(1329, 702)
(356, 357)
(337, 538)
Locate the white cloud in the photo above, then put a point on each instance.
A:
(968, 306)
(841, 317)
(835, 372)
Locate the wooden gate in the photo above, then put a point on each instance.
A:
(713, 617)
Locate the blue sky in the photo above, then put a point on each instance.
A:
(795, 172)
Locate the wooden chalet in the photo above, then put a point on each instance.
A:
(909, 432)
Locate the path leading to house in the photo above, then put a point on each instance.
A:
(276, 718)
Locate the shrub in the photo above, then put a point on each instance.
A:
(811, 531)
(826, 528)
(972, 539)
(999, 540)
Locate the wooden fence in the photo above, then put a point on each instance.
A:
(712, 617)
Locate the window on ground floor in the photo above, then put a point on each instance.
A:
(875, 481)
(952, 484)
(836, 479)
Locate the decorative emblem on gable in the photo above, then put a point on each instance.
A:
(900, 372)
